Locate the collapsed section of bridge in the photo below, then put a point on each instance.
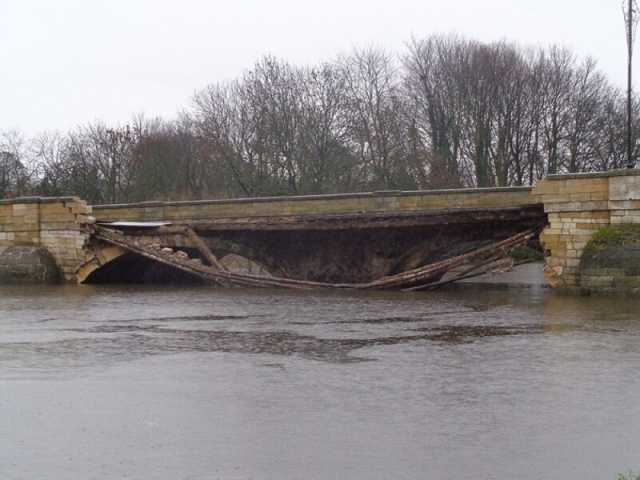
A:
(421, 251)
(344, 240)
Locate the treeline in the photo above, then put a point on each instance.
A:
(448, 112)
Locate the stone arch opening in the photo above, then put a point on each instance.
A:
(113, 264)
(130, 268)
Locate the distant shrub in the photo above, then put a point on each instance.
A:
(612, 236)
(628, 476)
(526, 254)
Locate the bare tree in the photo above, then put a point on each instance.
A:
(452, 112)
(16, 172)
(429, 67)
(375, 115)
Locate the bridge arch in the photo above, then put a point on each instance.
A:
(112, 263)
(102, 255)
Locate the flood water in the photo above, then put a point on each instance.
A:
(202, 383)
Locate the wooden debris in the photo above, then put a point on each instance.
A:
(424, 275)
(204, 249)
(474, 270)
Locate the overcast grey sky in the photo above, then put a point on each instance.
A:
(67, 62)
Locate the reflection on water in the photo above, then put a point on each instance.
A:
(202, 383)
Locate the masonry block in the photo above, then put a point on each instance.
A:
(624, 188)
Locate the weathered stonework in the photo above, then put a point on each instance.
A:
(615, 269)
(56, 224)
(578, 205)
(25, 264)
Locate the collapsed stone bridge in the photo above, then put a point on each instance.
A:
(332, 238)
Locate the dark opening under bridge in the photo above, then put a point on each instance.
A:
(353, 239)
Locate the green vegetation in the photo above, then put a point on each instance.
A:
(628, 476)
(526, 254)
(617, 235)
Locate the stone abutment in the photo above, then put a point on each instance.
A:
(577, 207)
(56, 225)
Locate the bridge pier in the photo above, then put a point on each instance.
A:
(577, 206)
(56, 224)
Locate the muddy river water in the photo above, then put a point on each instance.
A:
(201, 383)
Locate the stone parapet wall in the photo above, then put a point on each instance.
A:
(578, 205)
(54, 223)
(624, 199)
(386, 202)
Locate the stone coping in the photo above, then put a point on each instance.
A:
(37, 200)
(629, 172)
(336, 196)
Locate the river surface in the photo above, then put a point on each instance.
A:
(201, 383)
